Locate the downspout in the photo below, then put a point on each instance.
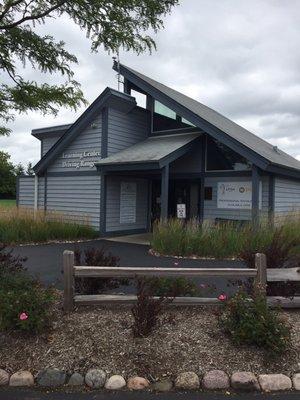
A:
(36, 193)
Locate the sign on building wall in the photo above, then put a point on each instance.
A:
(80, 159)
(181, 211)
(236, 195)
(128, 192)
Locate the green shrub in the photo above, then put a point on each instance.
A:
(181, 286)
(97, 257)
(248, 320)
(24, 303)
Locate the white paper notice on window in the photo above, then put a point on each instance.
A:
(128, 193)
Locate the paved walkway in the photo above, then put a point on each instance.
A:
(46, 260)
(13, 394)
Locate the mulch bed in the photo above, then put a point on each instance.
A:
(188, 339)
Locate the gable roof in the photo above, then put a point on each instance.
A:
(155, 149)
(56, 130)
(257, 150)
(108, 95)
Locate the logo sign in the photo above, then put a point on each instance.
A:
(181, 211)
(236, 195)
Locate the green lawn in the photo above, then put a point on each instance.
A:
(7, 203)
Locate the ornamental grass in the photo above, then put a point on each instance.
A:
(224, 240)
(22, 225)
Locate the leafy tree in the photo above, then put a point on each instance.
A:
(112, 24)
(7, 176)
(29, 169)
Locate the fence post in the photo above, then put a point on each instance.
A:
(68, 265)
(261, 278)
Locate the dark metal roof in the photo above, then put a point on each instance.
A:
(214, 123)
(155, 149)
(56, 130)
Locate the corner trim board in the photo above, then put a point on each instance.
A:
(104, 134)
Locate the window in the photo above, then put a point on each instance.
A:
(221, 158)
(185, 121)
(163, 110)
(208, 190)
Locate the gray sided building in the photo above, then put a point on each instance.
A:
(120, 166)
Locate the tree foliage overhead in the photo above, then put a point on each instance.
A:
(8, 175)
(112, 24)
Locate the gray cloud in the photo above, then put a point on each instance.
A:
(241, 58)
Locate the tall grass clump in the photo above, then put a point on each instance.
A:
(230, 239)
(20, 225)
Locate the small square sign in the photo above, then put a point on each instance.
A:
(181, 211)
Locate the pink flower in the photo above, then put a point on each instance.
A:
(23, 316)
(222, 297)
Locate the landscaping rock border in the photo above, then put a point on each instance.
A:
(211, 380)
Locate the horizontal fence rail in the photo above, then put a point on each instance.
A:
(131, 272)
(260, 274)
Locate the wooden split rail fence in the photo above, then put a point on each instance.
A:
(260, 273)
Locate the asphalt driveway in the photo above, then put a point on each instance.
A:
(45, 260)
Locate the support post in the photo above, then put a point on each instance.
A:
(69, 283)
(36, 194)
(255, 196)
(202, 180)
(127, 88)
(150, 107)
(164, 193)
(271, 208)
(261, 267)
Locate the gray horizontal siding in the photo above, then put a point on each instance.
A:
(287, 196)
(47, 143)
(76, 197)
(211, 211)
(124, 130)
(89, 140)
(41, 192)
(113, 204)
(26, 192)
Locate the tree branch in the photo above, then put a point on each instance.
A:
(33, 17)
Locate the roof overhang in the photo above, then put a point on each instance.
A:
(151, 154)
(204, 125)
(108, 98)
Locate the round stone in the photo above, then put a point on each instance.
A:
(244, 381)
(51, 377)
(4, 377)
(21, 378)
(296, 381)
(115, 382)
(187, 381)
(274, 382)
(163, 386)
(137, 383)
(216, 380)
(95, 378)
(76, 379)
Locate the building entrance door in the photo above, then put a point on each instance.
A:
(179, 197)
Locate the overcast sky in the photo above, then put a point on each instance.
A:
(240, 57)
